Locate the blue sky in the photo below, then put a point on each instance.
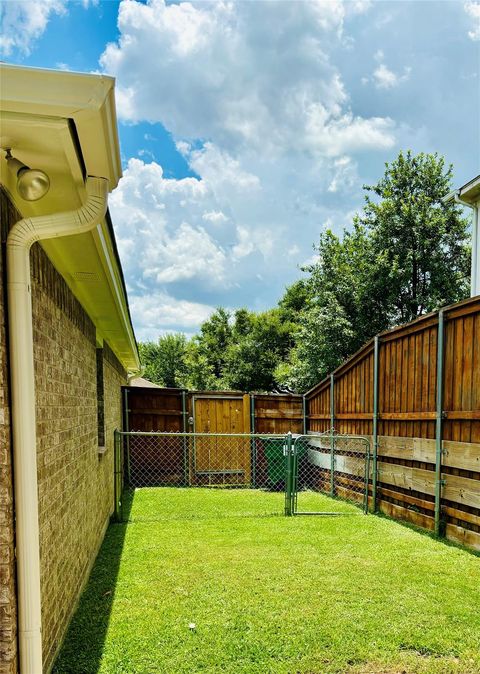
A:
(248, 127)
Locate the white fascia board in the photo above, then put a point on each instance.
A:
(105, 248)
(88, 100)
(471, 191)
(52, 97)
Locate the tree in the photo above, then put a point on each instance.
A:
(406, 254)
(323, 341)
(214, 339)
(261, 342)
(200, 372)
(419, 243)
(294, 300)
(149, 359)
(165, 362)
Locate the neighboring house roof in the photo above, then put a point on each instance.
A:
(143, 383)
(65, 124)
(471, 191)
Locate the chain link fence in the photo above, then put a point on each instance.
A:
(296, 468)
(332, 464)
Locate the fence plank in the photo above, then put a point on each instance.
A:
(465, 455)
(463, 536)
(461, 490)
(416, 479)
(398, 512)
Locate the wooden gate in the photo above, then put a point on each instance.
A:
(225, 413)
(228, 459)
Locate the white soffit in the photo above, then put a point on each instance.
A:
(471, 191)
(87, 261)
(88, 100)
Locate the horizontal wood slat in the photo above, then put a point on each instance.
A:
(154, 410)
(463, 536)
(416, 479)
(455, 488)
(462, 455)
(402, 416)
(398, 512)
(278, 414)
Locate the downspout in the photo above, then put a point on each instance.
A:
(475, 262)
(20, 239)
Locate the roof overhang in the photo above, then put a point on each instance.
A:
(470, 193)
(65, 124)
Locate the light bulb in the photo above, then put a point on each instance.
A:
(32, 184)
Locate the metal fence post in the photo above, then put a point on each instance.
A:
(289, 475)
(116, 474)
(439, 423)
(376, 349)
(304, 415)
(126, 427)
(332, 434)
(186, 471)
(367, 475)
(253, 444)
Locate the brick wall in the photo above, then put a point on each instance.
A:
(75, 483)
(8, 617)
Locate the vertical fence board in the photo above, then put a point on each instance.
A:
(407, 407)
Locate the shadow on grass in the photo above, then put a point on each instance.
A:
(83, 645)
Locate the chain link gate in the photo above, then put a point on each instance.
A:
(291, 470)
(208, 460)
(331, 464)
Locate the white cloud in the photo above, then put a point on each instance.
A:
(215, 216)
(158, 224)
(386, 79)
(247, 75)
(473, 10)
(250, 241)
(220, 169)
(261, 114)
(344, 176)
(24, 22)
(189, 254)
(160, 312)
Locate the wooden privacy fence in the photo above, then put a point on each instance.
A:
(167, 409)
(415, 391)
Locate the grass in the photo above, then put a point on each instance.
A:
(269, 594)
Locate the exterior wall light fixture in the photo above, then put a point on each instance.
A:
(32, 184)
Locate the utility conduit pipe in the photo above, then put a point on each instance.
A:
(20, 239)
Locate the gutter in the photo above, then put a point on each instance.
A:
(475, 262)
(27, 538)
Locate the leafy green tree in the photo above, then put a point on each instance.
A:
(407, 254)
(294, 300)
(200, 372)
(149, 359)
(323, 341)
(165, 362)
(419, 244)
(214, 339)
(262, 342)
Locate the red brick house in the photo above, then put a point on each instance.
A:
(67, 347)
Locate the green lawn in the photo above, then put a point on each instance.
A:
(270, 594)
